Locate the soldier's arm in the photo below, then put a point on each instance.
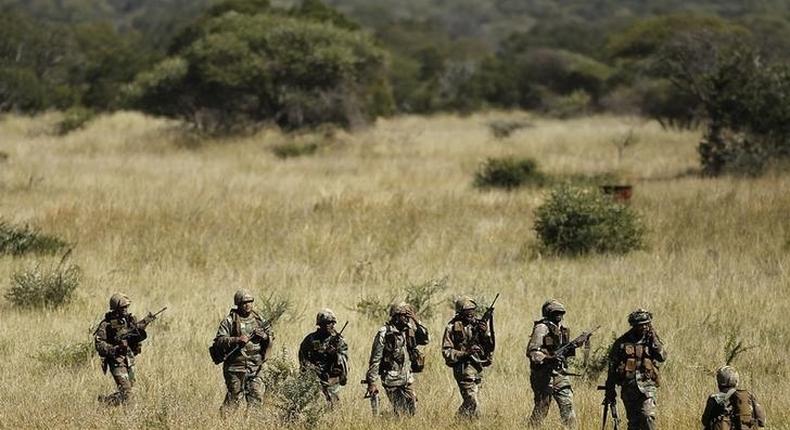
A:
(304, 350)
(707, 414)
(451, 353)
(376, 354)
(223, 337)
(614, 360)
(103, 347)
(535, 351)
(421, 336)
(759, 412)
(659, 352)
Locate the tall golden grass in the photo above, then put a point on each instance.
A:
(183, 225)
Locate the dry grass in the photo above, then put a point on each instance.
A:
(367, 214)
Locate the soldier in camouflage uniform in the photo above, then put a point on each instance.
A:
(633, 365)
(467, 347)
(731, 407)
(548, 374)
(325, 352)
(394, 356)
(117, 341)
(246, 338)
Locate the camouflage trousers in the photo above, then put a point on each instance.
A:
(123, 375)
(403, 399)
(547, 387)
(242, 386)
(469, 387)
(331, 391)
(640, 407)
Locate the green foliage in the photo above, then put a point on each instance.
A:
(275, 308)
(422, 298)
(294, 149)
(69, 355)
(576, 220)
(43, 288)
(575, 104)
(372, 308)
(296, 395)
(74, 118)
(17, 241)
(508, 173)
(503, 129)
(240, 70)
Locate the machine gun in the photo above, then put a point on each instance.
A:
(609, 406)
(332, 341)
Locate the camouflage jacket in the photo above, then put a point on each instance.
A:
(329, 358)
(546, 338)
(389, 356)
(633, 360)
(458, 340)
(249, 357)
(720, 413)
(112, 332)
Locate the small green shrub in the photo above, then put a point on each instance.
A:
(294, 149)
(503, 129)
(508, 173)
(74, 119)
(296, 395)
(577, 220)
(570, 105)
(421, 296)
(39, 288)
(21, 240)
(275, 308)
(69, 355)
(372, 308)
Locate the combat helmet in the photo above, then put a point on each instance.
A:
(464, 303)
(119, 300)
(727, 376)
(325, 316)
(640, 317)
(550, 307)
(401, 308)
(242, 296)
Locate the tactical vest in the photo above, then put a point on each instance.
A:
(125, 328)
(636, 358)
(394, 350)
(464, 336)
(734, 411)
(556, 337)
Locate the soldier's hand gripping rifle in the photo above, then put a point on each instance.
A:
(330, 343)
(257, 334)
(488, 318)
(135, 334)
(373, 395)
(609, 404)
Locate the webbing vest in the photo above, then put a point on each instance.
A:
(636, 358)
(735, 411)
(556, 337)
(394, 350)
(125, 328)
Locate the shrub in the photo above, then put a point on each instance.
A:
(296, 395)
(421, 296)
(372, 308)
(570, 105)
(274, 308)
(37, 287)
(294, 149)
(69, 355)
(503, 129)
(578, 220)
(508, 173)
(74, 119)
(21, 240)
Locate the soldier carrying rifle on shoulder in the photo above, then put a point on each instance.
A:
(325, 352)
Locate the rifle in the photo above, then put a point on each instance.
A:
(332, 340)
(580, 340)
(488, 317)
(151, 317)
(609, 406)
(134, 334)
(237, 348)
(374, 399)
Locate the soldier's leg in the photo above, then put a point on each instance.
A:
(469, 389)
(639, 408)
(123, 376)
(254, 389)
(331, 392)
(234, 382)
(564, 398)
(403, 399)
(542, 390)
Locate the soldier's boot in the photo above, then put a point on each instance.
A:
(469, 407)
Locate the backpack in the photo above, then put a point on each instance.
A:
(742, 410)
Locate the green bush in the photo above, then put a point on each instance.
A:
(69, 355)
(40, 288)
(74, 118)
(296, 395)
(22, 240)
(294, 149)
(576, 221)
(508, 173)
(275, 308)
(503, 129)
(420, 296)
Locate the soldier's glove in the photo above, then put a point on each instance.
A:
(482, 326)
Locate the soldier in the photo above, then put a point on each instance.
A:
(117, 341)
(633, 365)
(245, 339)
(325, 352)
(548, 373)
(394, 358)
(732, 408)
(467, 347)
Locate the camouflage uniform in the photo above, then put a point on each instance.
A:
(118, 354)
(732, 408)
(393, 358)
(633, 364)
(467, 347)
(241, 369)
(548, 377)
(327, 355)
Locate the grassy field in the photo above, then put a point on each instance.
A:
(173, 223)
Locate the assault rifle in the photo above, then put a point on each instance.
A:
(374, 398)
(488, 318)
(562, 351)
(134, 335)
(334, 339)
(609, 406)
(256, 334)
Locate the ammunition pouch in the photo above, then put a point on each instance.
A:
(417, 359)
(216, 352)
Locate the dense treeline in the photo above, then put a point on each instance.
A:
(225, 65)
